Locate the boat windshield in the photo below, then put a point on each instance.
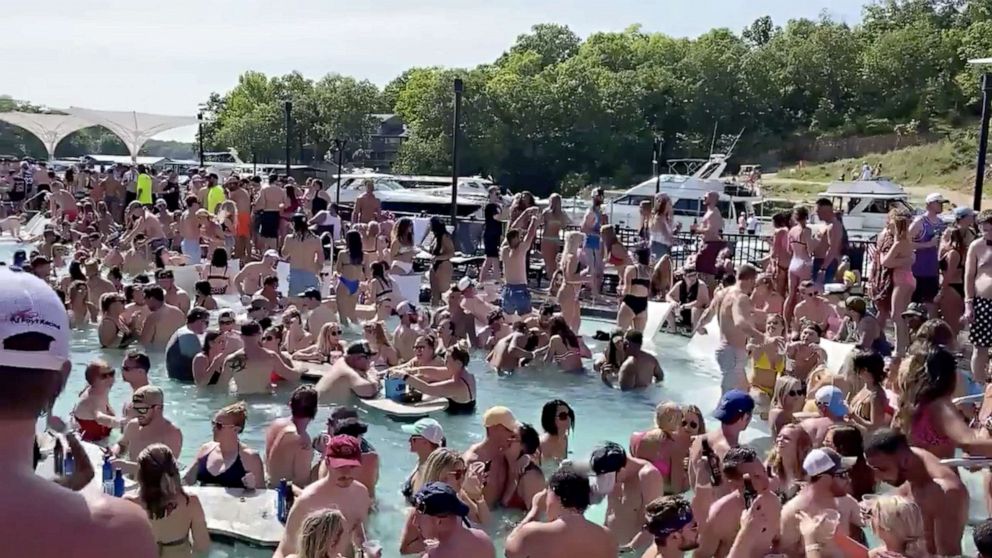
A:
(875, 206)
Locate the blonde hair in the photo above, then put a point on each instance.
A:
(323, 343)
(900, 222)
(378, 331)
(239, 411)
(694, 410)
(574, 241)
(900, 517)
(784, 384)
(159, 485)
(668, 417)
(321, 533)
(438, 463)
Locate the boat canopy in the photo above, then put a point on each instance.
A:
(882, 188)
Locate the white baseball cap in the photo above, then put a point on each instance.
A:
(270, 253)
(826, 460)
(935, 198)
(465, 283)
(29, 305)
(427, 428)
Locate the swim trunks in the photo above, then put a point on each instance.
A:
(731, 361)
(516, 299)
(300, 280)
(244, 225)
(268, 224)
(981, 328)
(191, 249)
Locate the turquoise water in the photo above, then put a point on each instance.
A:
(601, 414)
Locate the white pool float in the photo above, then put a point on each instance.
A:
(427, 406)
(407, 287)
(658, 314)
(46, 467)
(245, 515)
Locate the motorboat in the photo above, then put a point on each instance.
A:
(394, 197)
(865, 204)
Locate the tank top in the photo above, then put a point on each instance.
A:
(228, 478)
(926, 264)
(215, 196)
(144, 189)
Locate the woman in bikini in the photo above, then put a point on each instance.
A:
(227, 216)
(785, 461)
(553, 220)
(661, 229)
(203, 295)
(661, 278)
(870, 408)
(635, 289)
(655, 446)
(950, 298)
(177, 518)
(385, 355)
(93, 415)
(801, 259)
(564, 348)
(443, 249)
(899, 259)
(572, 279)
(381, 289)
(296, 336)
(787, 400)
(401, 247)
(557, 421)
(768, 362)
(351, 271)
(218, 273)
(880, 277)
(765, 300)
(113, 333)
(226, 461)
(208, 364)
(459, 388)
(374, 245)
(525, 475)
(327, 348)
(82, 312)
(614, 252)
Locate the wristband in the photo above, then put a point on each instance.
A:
(814, 548)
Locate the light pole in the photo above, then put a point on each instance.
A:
(288, 105)
(983, 134)
(199, 133)
(455, 128)
(655, 163)
(339, 146)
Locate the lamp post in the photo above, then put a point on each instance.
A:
(455, 128)
(199, 133)
(655, 162)
(983, 135)
(339, 146)
(288, 105)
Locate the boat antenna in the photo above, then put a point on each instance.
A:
(716, 126)
(733, 144)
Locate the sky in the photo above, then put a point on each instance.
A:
(167, 56)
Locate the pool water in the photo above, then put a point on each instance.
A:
(601, 414)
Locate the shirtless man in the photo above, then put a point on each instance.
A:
(163, 320)
(471, 303)
(513, 253)
(173, 295)
(270, 203)
(629, 484)
(241, 199)
(148, 225)
(253, 365)
(733, 315)
(918, 475)
(830, 402)
(827, 489)
(978, 296)
(721, 526)
(288, 449)
(501, 429)
(113, 195)
(734, 413)
(813, 307)
(250, 278)
(62, 204)
(338, 489)
(189, 231)
(318, 311)
(710, 227)
(640, 368)
(270, 292)
(367, 206)
(592, 225)
(441, 516)
(148, 427)
(512, 351)
(33, 506)
(96, 283)
(349, 376)
(566, 533)
(827, 250)
(406, 333)
(670, 521)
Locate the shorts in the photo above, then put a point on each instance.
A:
(516, 299)
(300, 280)
(43, 188)
(191, 249)
(828, 277)
(491, 244)
(659, 249)
(594, 260)
(981, 328)
(268, 224)
(157, 243)
(706, 260)
(592, 242)
(15, 196)
(244, 225)
(731, 361)
(926, 289)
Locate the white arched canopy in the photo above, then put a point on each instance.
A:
(134, 128)
(49, 128)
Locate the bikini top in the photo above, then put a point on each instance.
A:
(384, 289)
(765, 363)
(638, 280)
(228, 478)
(689, 294)
(923, 432)
(664, 466)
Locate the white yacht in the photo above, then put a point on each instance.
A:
(394, 197)
(866, 203)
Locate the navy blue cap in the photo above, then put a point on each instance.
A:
(439, 499)
(732, 405)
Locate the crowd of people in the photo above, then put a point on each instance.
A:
(886, 415)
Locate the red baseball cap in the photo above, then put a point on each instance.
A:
(343, 451)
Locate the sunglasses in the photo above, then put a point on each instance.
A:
(415, 347)
(564, 415)
(268, 338)
(142, 410)
(221, 425)
(225, 322)
(793, 393)
(458, 474)
(335, 332)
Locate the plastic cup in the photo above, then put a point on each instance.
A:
(371, 548)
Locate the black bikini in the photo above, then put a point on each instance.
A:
(637, 304)
(456, 408)
(232, 477)
(959, 287)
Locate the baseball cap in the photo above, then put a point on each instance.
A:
(438, 499)
(915, 309)
(826, 460)
(963, 212)
(465, 283)
(405, 307)
(359, 348)
(835, 288)
(310, 293)
(30, 306)
(500, 416)
(833, 398)
(148, 395)
(608, 457)
(427, 428)
(935, 198)
(343, 451)
(732, 405)
(270, 253)
(259, 302)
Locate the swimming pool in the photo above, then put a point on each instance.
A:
(601, 414)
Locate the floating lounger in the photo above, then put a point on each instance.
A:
(658, 313)
(408, 287)
(427, 406)
(836, 354)
(46, 467)
(967, 462)
(314, 371)
(704, 345)
(977, 398)
(282, 272)
(248, 516)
